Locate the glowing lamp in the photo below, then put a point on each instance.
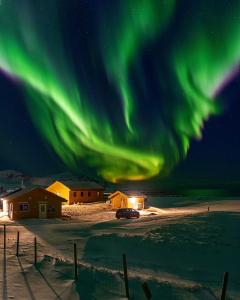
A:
(134, 202)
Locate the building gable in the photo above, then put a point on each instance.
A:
(59, 189)
(117, 193)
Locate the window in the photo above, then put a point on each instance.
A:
(98, 194)
(81, 194)
(74, 194)
(23, 206)
(89, 194)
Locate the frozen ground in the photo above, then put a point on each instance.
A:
(177, 247)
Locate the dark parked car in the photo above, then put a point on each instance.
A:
(127, 213)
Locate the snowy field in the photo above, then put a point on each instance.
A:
(179, 248)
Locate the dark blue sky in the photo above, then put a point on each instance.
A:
(22, 147)
(215, 157)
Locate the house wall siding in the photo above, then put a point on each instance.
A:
(54, 205)
(85, 196)
(119, 201)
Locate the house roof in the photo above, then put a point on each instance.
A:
(20, 192)
(81, 185)
(6, 194)
(134, 193)
(128, 193)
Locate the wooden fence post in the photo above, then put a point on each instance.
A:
(224, 287)
(147, 291)
(4, 237)
(17, 250)
(35, 251)
(75, 263)
(125, 275)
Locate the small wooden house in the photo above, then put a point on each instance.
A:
(32, 203)
(127, 200)
(78, 191)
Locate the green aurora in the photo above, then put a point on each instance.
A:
(123, 130)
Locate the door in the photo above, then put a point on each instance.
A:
(42, 210)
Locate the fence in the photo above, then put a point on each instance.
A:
(146, 290)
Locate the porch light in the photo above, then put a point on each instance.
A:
(133, 200)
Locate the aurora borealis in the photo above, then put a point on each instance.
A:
(125, 98)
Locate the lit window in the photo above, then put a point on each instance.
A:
(23, 206)
(133, 200)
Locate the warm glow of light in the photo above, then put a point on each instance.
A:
(133, 200)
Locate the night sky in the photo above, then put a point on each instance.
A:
(121, 88)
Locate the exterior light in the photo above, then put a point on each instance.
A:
(133, 200)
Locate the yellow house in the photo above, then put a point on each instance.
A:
(78, 191)
(127, 200)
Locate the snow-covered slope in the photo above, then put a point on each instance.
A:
(180, 251)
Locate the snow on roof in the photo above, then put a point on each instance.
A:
(134, 193)
(6, 194)
(81, 184)
(128, 193)
(17, 193)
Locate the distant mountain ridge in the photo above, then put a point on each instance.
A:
(11, 174)
(11, 179)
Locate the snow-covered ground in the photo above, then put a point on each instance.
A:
(179, 248)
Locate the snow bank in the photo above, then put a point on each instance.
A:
(183, 259)
(181, 253)
(102, 283)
